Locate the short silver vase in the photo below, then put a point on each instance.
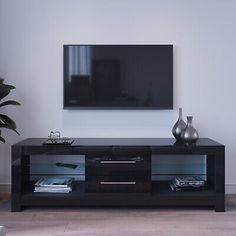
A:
(189, 134)
(179, 127)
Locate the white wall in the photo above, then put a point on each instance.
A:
(203, 32)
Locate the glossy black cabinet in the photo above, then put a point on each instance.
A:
(118, 173)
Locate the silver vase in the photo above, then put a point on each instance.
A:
(179, 126)
(189, 134)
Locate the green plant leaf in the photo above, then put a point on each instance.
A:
(6, 120)
(9, 102)
(4, 94)
(2, 139)
(8, 127)
(6, 87)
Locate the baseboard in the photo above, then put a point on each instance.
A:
(229, 188)
(5, 188)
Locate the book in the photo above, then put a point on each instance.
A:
(52, 190)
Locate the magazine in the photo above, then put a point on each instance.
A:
(54, 182)
(187, 183)
(54, 185)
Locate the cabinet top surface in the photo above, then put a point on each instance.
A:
(120, 141)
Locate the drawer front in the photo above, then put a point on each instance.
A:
(118, 165)
(118, 184)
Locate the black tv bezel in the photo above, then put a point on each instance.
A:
(65, 107)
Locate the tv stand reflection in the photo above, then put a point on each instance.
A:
(118, 173)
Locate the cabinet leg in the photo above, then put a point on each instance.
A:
(15, 204)
(220, 203)
(220, 181)
(16, 208)
(220, 208)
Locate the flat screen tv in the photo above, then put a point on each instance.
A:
(118, 76)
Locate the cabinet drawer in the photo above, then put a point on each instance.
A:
(116, 184)
(118, 165)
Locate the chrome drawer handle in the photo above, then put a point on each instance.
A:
(118, 182)
(117, 162)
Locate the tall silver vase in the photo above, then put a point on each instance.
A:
(189, 134)
(179, 126)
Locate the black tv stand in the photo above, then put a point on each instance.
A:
(118, 173)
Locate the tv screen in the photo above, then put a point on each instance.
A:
(118, 76)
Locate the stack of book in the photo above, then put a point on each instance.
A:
(54, 185)
(187, 183)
